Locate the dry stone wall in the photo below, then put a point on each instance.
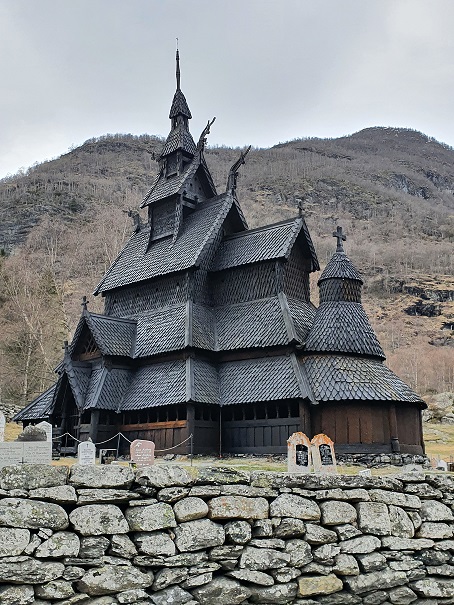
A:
(222, 537)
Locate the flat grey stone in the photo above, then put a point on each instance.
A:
(290, 528)
(262, 559)
(267, 543)
(239, 532)
(373, 518)
(190, 509)
(98, 519)
(60, 544)
(325, 553)
(59, 494)
(299, 551)
(57, 589)
(32, 514)
(229, 551)
(17, 595)
(434, 587)
(291, 505)
(372, 562)
(434, 530)
(121, 545)
(238, 507)
(335, 512)
(25, 570)
(432, 510)
(401, 595)
(32, 476)
(104, 476)
(195, 535)
(377, 580)
(150, 518)
(168, 576)
(112, 579)
(132, 596)
(283, 575)
(345, 565)
(222, 476)
(395, 498)
(360, 545)
(347, 531)
(162, 475)
(93, 496)
(194, 581)
(13, 541)
(93, 547)
(316, 534)
(254, 577)
(401, 524)
(395, 543)
(221, 591)
(276, 595)
(172, 494)
(174, 595)
(155, 544)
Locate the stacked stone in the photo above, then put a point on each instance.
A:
(163, 536)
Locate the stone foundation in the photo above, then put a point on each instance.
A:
(222, 537)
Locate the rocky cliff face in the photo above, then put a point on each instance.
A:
(107, 535)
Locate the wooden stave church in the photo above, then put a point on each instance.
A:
(209, 330)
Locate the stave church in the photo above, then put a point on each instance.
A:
(209, 330)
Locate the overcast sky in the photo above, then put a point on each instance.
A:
(269, 70)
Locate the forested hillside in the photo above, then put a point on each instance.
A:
(392, 190)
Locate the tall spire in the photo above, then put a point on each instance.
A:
(178, 67)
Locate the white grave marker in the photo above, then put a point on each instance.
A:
(2, 426)
(46, 426)
(11, 453)
(86, 453)
(323, 455)
(142, 452)
(37, 452)
(442, 465)
(299, 456)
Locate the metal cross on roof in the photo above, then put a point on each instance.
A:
(84, 303)
(340, 238)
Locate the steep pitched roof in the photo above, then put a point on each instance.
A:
(265, 243)
(340, 266)
(161, 330)
(166, 186)
(343, 327)
(179, 106)
(107, 388)
(159, 384)
(39, 408)
(346, 378)
(262, 379)
(179, 138)
(136, 263)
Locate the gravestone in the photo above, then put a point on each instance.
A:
(86, 453)
(11, 453)
(30, 447)
(366, 472)
(323, 455)
(46, 426)
(37, 452)
(2, 426)
(442, 465)
(299, 456)
(142, 452)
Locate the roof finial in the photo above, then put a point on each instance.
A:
(234, 170)
(178, 67)
(84, 303)
(340, 238)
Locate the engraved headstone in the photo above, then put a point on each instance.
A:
(442, 465)
(2, 426)
(323, 455)
(299, 456)
(142, 452)
(46, 426)
(11, 453)
(37, 452)
(86, 453)
(365, 472)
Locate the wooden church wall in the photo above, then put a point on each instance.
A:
(296, 276)
(262, 428)
(144, 297)
(249, 282)
(409, 424)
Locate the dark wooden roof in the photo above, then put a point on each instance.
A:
(179, 106)
(340, 266)
(347, 378)
(343, 327)
(265, 243)
(39, 408)
(107, 388)
(113, 335)
(155, 385)
(179, 138)
(135, 263)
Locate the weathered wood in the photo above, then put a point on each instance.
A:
(148, 426)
